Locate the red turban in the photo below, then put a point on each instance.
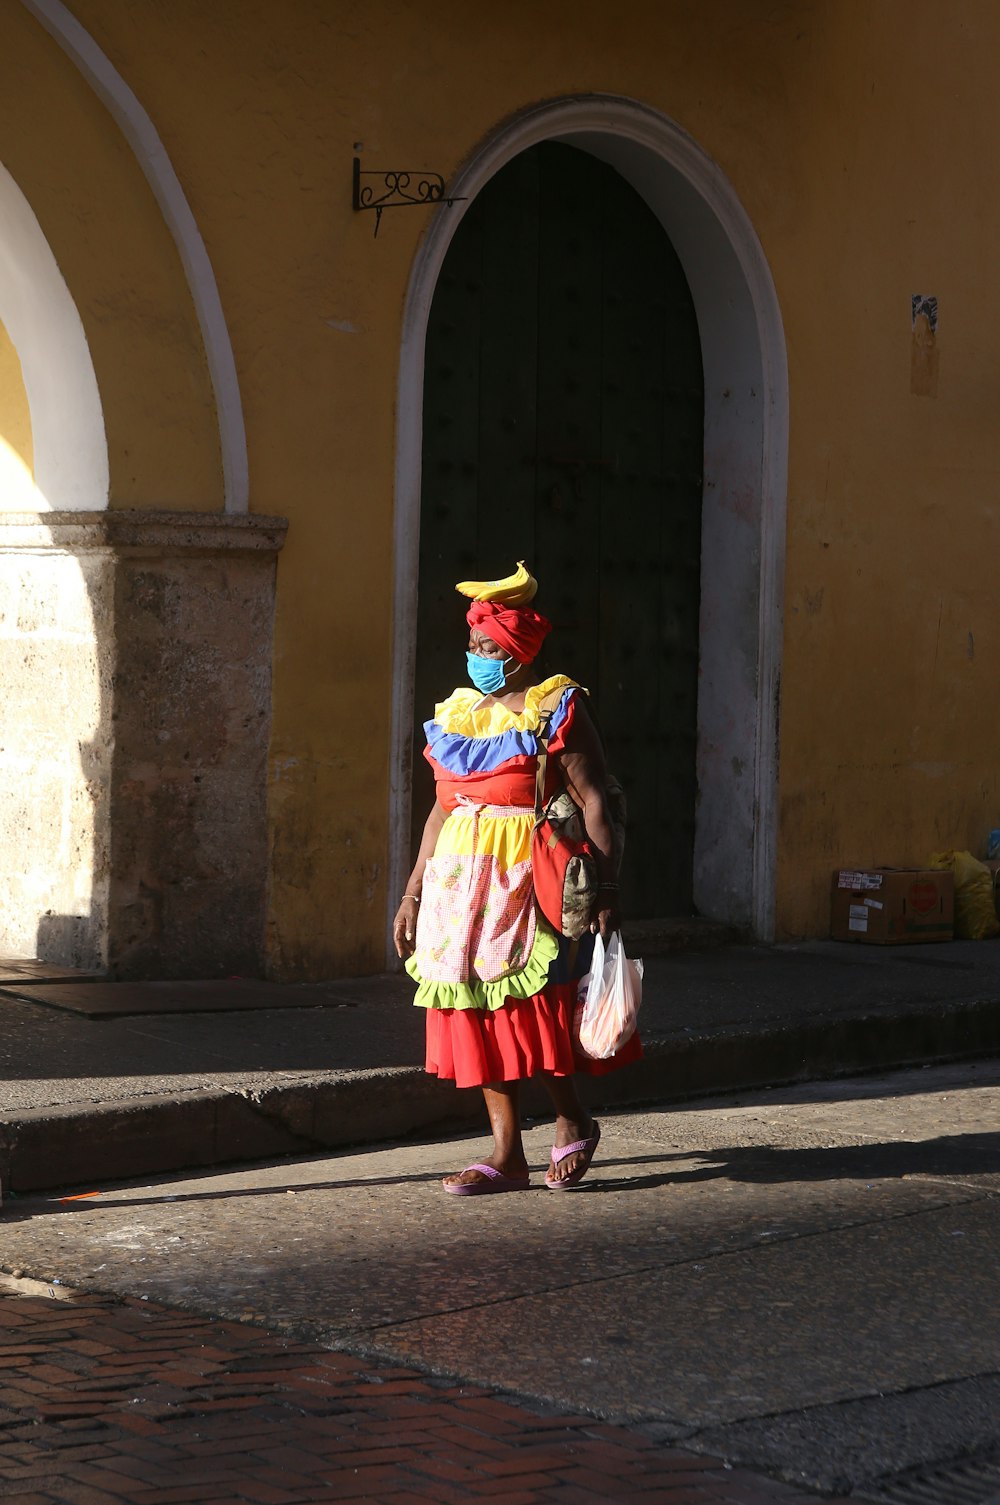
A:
(518, 629)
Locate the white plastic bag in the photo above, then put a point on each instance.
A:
(609, 998)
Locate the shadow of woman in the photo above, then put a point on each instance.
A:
(951, 1157)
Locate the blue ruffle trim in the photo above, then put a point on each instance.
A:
(461, 755)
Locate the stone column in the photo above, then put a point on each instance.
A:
(135, 707)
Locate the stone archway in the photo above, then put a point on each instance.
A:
(746, 444)
(120, 628)
(138, 130)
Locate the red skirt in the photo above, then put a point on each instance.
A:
(526, 1037)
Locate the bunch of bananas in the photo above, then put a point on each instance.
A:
(514, 590)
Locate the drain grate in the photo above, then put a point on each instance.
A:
(973, 1481)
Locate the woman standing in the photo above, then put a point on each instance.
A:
(498, 983)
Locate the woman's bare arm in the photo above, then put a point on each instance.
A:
(584, 773)
(404, 926)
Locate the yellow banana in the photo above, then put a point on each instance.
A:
(514, 590)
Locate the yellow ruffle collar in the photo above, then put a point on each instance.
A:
(465, 712)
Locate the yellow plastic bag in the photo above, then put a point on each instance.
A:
(975, 910)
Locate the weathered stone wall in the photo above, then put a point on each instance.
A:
(135, 671)
(189, 798)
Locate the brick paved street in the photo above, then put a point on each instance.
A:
(104, 1402)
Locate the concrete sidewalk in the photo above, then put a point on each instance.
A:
(801, 1282)
(105, 1080)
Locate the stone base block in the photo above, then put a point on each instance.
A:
(135, 675)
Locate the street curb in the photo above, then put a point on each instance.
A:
(77, 1145)
(45, 1148)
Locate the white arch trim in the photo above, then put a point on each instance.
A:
(67, 423)
(141, 135)
(745, 484)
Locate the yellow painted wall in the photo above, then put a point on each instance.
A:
(16, 454)
(891, 644)
(260, 107)
(855, 135)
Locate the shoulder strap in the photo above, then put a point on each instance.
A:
(547, 708)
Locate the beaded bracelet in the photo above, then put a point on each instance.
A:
(414, 897)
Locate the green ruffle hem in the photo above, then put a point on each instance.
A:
(531, 979)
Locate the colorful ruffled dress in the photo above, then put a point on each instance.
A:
(498, 983)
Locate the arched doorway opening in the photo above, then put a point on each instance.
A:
(745, 419)
(70, 451)
(54, 773)
(563, 424)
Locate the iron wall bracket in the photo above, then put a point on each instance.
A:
(397, 190)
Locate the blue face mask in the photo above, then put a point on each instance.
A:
(487, 674)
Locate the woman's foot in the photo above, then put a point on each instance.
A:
(511, 1167)
(572, 1131)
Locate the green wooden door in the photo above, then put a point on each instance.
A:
(563, 424)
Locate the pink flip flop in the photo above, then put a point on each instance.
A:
(495, 1182)
(586, 1147)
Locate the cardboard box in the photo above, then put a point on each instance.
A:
(888, 906)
